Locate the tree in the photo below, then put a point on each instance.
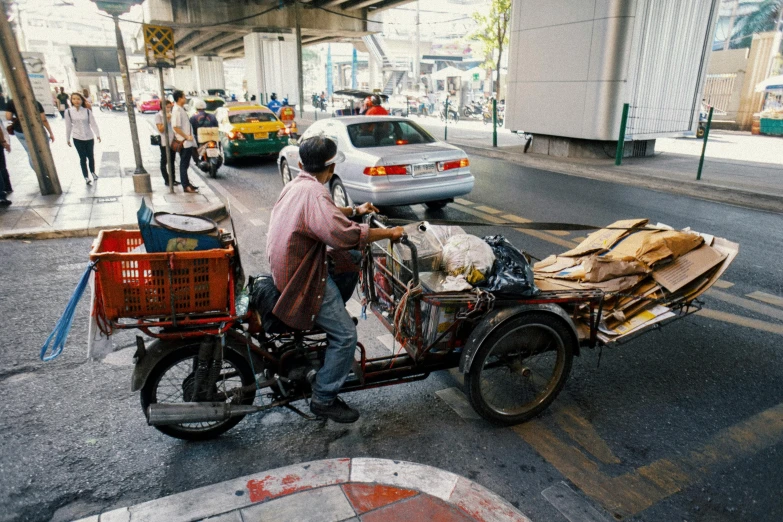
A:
(492, 32)
(763, 19)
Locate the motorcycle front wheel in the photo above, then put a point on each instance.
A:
(169, 380)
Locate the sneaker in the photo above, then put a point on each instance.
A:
(337, 411)
(88, 181)
(4, 202)
(95, 176)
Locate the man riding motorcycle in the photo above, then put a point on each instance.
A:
(307, 231)
(201, 119)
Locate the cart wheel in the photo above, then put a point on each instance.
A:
(170, 378)
(520, 368)
(700, 132)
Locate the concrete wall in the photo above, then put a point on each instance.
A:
(757, 70)
(208, 73)
(725, 78)
(574, 63)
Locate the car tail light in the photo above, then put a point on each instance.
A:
(388, 170)
(235, 135)
(453, 164)
(282, 133)
(401, 142)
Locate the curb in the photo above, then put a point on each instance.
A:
(265, 492)
(215, 212)
(718, 193)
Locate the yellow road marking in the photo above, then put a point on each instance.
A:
(767, 298)
(720, 283)
(747, 303)
(547, 237)
(637, 490)
(462, 201)
(569, 419)
(488, 210)
(515, 219)
(579, 239)
(741, 321)
(482, 215)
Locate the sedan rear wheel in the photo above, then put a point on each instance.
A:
(437, 205)
(339, 195)
(285, 172)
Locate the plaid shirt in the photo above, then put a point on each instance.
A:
(305, 221)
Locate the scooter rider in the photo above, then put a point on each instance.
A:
(305, 231)
(201, 119)
(274, 105)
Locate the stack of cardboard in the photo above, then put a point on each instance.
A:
(644, 270)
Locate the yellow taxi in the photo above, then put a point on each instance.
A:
(248, 129)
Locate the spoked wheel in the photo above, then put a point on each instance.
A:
(520, 368)
(171, 381)
(285, 172)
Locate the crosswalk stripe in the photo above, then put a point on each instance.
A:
(354, 307)
(746, 303)
(720, 283)
(458, 402)
(767, 298)
(462, 201)
(741, 321)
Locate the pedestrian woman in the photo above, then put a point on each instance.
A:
(80, 123)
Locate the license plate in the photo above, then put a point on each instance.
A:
(213, 153)
(423, 169)
(261, 135)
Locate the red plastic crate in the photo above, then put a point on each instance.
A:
(140, 285)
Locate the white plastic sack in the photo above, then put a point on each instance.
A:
(468, 255)
(444, 232)
(99, 345)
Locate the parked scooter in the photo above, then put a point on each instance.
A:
(486, 115)
(453, 112)
(472, 109)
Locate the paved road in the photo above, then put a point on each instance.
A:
(685, 424)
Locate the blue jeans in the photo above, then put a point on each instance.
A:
(341, 335)
(23, 142)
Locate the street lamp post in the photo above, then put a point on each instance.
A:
(116, 8)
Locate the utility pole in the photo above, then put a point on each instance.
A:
(299, 70)
(417, 58)
(116, 8)
(29, 117)
(128, 96)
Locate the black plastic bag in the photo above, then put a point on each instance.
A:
(512, 274)
(263, 298)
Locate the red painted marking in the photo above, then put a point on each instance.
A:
(273, 487)
(290, 479)
(366, 497)
(421, 507)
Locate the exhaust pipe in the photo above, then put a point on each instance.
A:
(166, 414)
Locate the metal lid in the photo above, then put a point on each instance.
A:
(184, 223)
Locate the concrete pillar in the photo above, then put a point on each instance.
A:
(208, 73)
(269, 60)
(372, 68)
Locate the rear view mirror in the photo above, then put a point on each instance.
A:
(293, 141)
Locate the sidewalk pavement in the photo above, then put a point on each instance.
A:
(357, 490)
(745, 183)
(110, 202)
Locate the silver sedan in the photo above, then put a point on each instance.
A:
(388, 161)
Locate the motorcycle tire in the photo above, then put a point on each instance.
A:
(212, 170)
(183, 358)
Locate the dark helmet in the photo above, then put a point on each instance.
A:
(376, 100)
(274, 96)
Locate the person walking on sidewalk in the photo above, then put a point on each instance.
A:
(81, 123)
(5, 181)
(183, 133)
(62, 102)
(13, 117)
(165, 166)
(305, 223)
(87, 99)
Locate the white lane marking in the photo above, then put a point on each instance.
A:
(232, 200)
(354, 308)
(257, 222)
(458, 402)
(572, 505)
(767, 298)
(387, 340)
